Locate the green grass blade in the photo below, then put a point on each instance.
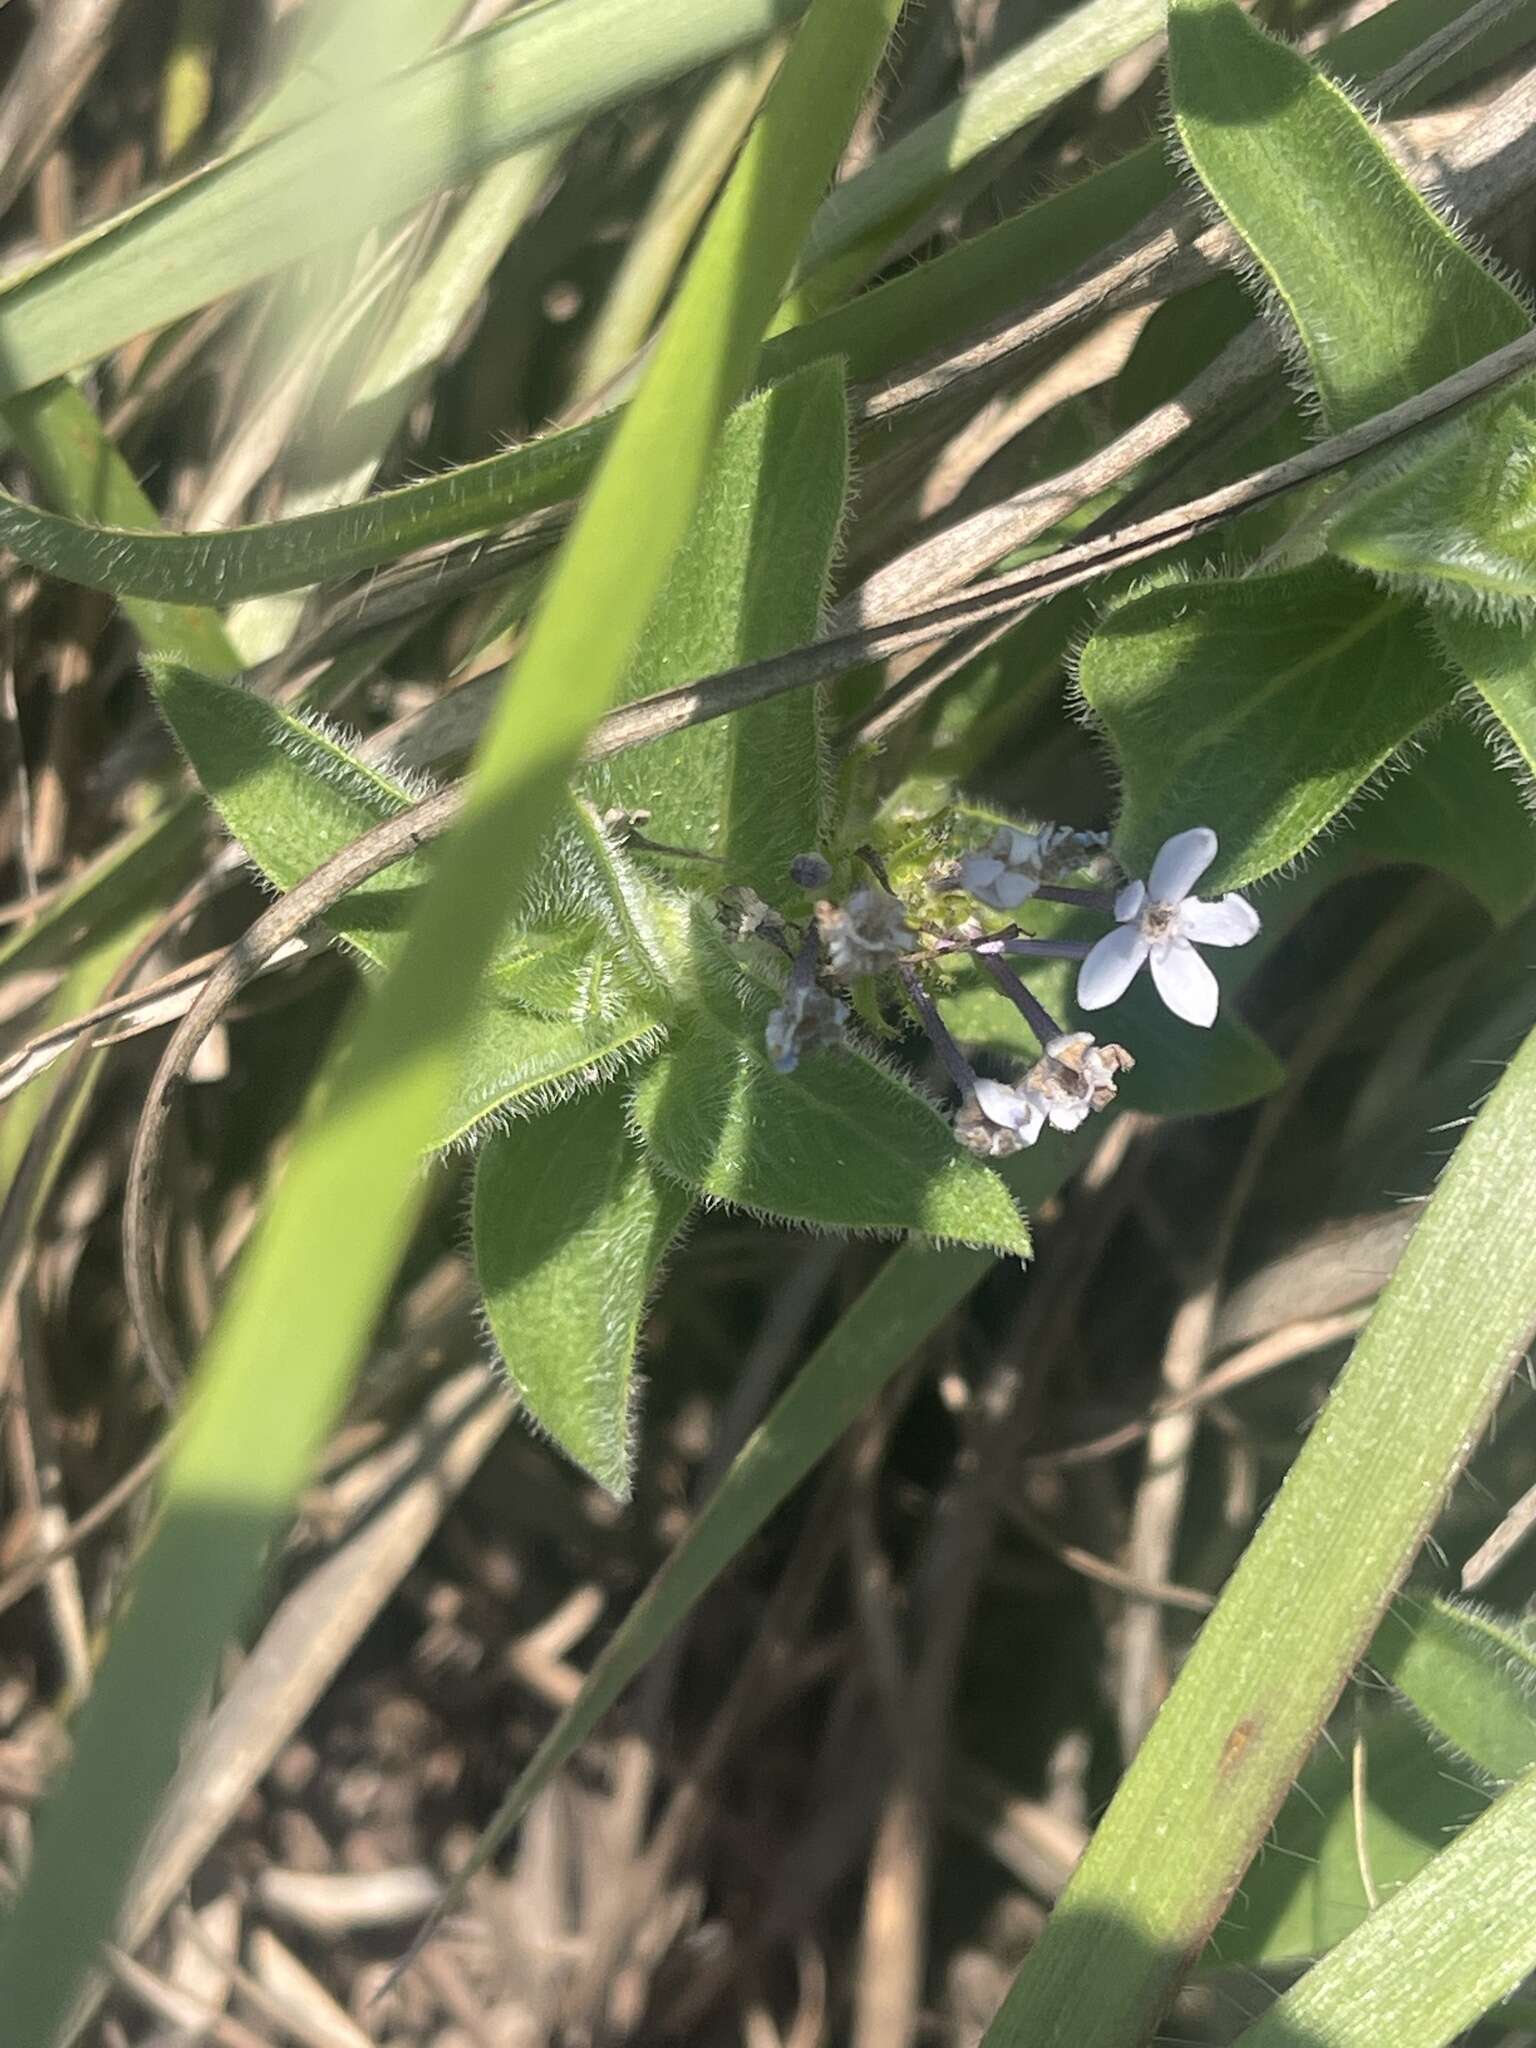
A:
(922, 309)
(1305, 1891)
(80, 469)
(436, 125)
(859, 219)
(697, 166)
(307, 1293)
(1435, 1957)
(343, 48)
(1300, 1609)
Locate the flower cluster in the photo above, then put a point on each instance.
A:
(1158, 923)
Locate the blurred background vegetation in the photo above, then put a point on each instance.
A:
(840, 1802)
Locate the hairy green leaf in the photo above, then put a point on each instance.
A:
(292, 794)
(747, 582)
(1437, 1955)
(1257, 706)
(570, 1226)
(1498, 658)
(1457, 520)
(575, 989)
(81, 470)
(841, 1143)
(1469, 1674)
(1459, 809)
(1306, 1888)
(1384, 298)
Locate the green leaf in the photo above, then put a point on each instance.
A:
(292, 794)
(1257, 706)
(516, 1061)
(575, 990)
(1436, 1956)
(1469, 1674)
(1269, 1663)
(1458, 809)
(842, 1142)
(1384, 298)
(1385, 301)
(1457, 520)
(311, 547)
(1305, 1890)
(747, 582)
(1498, 658)
(277, 1366)
(569, 1229)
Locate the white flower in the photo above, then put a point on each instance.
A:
(808, 1020)
(1160, 921)
(1074, 1076)
(865, 934)
(996, 1121)
(1013, 863)
(1011, 867)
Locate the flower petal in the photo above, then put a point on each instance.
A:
(1180, 863)
(1231, 922)
(1010, 1107)
(1128, 903)
(1068, 1115)
(1011, 889)
(1111, 967)
(978, 870)
(1185, 983)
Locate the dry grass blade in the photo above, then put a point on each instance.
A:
(57, 66)
(310, 1636)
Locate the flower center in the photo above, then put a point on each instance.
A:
(1158, 921)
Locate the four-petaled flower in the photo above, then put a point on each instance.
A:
(865, 934)
(1011, 866)
(1160, 921)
